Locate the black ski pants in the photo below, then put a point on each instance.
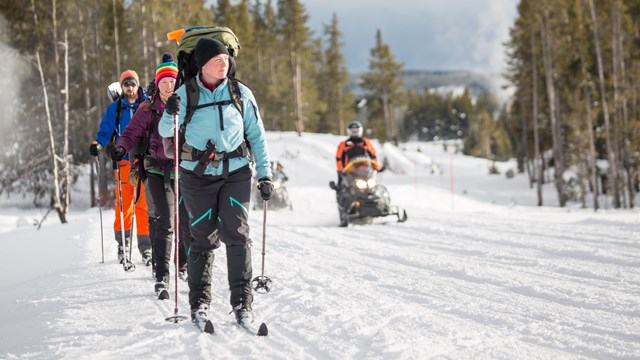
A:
(218, 209)
(164, 201)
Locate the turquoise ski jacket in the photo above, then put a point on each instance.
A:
(205, 126)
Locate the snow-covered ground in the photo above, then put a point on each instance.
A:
(478, 274)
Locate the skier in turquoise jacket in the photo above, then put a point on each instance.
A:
(215, 176)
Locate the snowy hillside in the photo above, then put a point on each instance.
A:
(478, 274)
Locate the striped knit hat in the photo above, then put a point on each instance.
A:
(167, 69)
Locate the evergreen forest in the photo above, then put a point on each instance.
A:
(573, 118)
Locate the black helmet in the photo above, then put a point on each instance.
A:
(354, 129)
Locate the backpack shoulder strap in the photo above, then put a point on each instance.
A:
(118, 116)
(146, 140)
(236, 95)
(193, 96)
(118, 112)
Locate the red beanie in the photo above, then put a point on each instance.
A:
(129, 74)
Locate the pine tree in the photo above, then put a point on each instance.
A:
(332, 83)
(292, 21)
(383, 84)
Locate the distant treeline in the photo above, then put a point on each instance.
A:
(574, 65)
(71, 50)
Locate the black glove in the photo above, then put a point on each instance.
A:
(266, 188)
(151, 88)
(117, 153)
(172, 106)
(95, 148)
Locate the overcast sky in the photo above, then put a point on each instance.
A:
(422, 34)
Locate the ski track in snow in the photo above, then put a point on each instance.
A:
(480, 281)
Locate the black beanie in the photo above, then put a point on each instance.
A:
(206, 49)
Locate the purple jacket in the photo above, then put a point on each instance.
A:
(133, 134)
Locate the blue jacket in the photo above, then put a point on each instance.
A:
(108, 123)
(205, 126)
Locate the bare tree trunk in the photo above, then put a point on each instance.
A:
(296, 82)
(524, 142)
(617, 99)
(106, 198)
(634, 133)
(611, 153)
(592, 145)
(154, 25)
(117, 40)
(66, 157)
(582, 155)
(341, 124)
(620, 102)
(145, 50)
(56, 182)
(298, 96)
(386, 113)
(538, 167)
(592, 154)
(56, 58)
(553, 113)
(87, 98)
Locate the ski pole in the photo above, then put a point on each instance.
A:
(126, 264)
(176, 202)
(176, 223)
(136, 197)
(262, 284)
(100, 207)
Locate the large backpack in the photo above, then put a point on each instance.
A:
(187, 40)
(187, 70)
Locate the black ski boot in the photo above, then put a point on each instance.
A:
(146, 257)
(161, 291)
(199, 277)
(200, 317)
(243, 313)
(161, 287)
(121, 253)
(183, 273)
(239, 276)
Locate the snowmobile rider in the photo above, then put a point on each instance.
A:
(142, 133)
(353, 147)
(215, 177)
(114, 121)
(278, 171)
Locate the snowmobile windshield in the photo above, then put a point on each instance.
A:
(359, 167)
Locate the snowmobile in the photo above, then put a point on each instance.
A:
(360, 197)
(280, 197)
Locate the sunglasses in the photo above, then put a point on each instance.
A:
(129, 84)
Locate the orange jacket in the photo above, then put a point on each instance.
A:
(353, 148)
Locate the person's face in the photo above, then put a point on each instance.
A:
(130, 89)
(166, 86)
(216, 68)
